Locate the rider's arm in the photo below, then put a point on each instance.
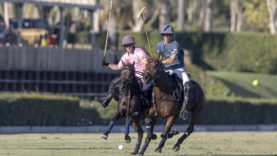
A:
(118, 66)
(170, 59)
(115, 66)
(174, 46)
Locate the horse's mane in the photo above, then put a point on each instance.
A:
(132, 79)
(158, 64)
(168, 80)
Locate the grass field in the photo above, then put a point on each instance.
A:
(203, 143)
(241, 84)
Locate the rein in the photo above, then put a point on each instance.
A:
(128, 106)
(155, 76)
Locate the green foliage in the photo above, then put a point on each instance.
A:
(232, 52)
(54, 110)
(215, 51)
(212, 86)
(256, 14)
(239, 111)
(45, 110)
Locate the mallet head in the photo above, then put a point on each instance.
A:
(140, 13)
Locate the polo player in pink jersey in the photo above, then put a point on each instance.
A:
(133, 55)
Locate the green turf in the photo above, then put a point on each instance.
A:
(201, 143)
(241, 84)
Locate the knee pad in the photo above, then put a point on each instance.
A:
(188, 86)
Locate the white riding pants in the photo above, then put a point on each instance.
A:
(180, 72)
(144, 85)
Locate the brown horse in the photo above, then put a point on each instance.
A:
(166, 105)
(130, 105)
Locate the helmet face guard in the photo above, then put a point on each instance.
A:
(128, 40)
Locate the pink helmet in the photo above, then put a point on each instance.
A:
(127, 40)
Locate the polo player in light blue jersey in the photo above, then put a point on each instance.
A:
(172, 56)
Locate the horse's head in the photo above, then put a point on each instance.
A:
(128, 73)
(152, 70)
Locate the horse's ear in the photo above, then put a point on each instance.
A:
(133, 64)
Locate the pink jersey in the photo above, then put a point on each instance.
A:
(137, 56)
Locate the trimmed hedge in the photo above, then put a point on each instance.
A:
(247, 52)
(239, 111)
(44, 110)
(51, 110)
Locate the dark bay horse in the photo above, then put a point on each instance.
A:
(130, 105)
(166, 105)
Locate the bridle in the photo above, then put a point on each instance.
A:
(154, 76)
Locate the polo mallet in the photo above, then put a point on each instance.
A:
(107, 35)
(140, 14)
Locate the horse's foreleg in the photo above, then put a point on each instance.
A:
(188, 131)
(145, 146)
(116, 117)
(138, 129)
(127, 131)
(149, 124)
(169, 123)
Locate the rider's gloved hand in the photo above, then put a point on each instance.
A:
(105, 62)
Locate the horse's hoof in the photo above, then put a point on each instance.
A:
(175, 132)
(154, 137)
(140, 154)
(127, 139)
(176, 148)
(172, 133)
(104, 136)
(163, 135)
(134, 153)
(158, 150)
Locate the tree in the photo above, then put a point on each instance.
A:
(137, 23)
(192, 7)
(236, 15)
(208, 16)
(164, 7)
(256, 14)
(181, 15)
(271, 7)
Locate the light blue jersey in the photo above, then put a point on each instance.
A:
(166, 50)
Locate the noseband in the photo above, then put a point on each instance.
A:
(131, 76)
(154, 75)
